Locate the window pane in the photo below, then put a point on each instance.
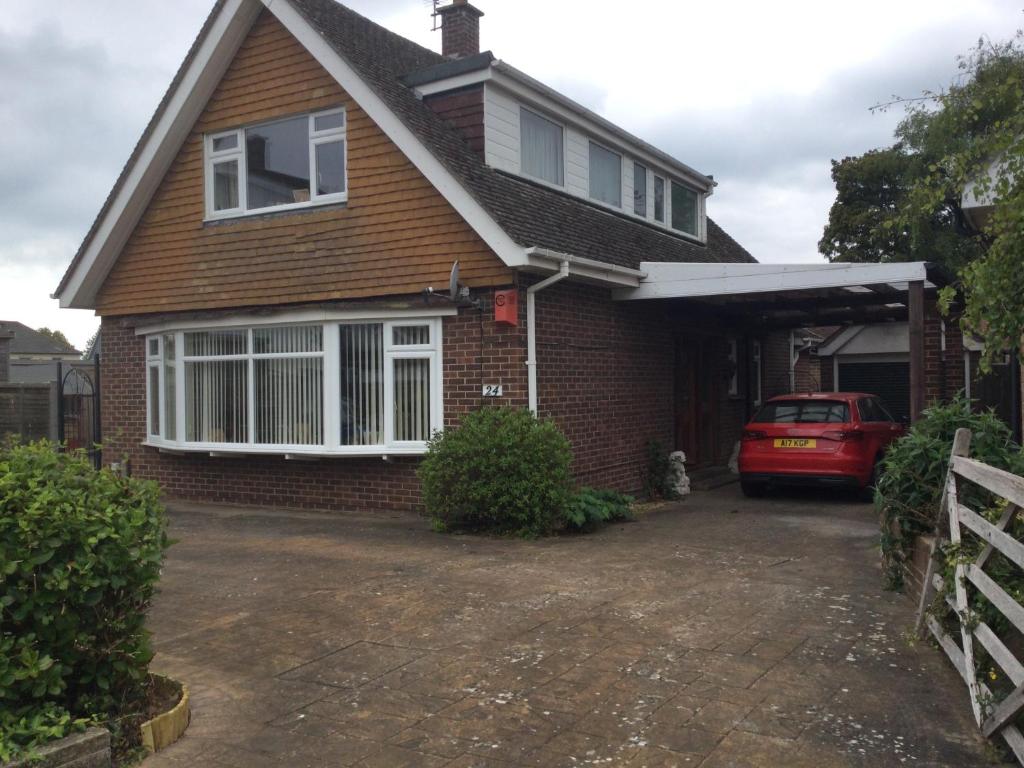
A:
(215, 343)
(412, 399)
(639, 190)
(154, 400)
(294, 338)
(659, 199)
(605, 175)
(328, 122)
(410, 334)
(330, 168)
(684, 209)
(222, 143)
(289, 396)
(541, 142)
(170, 401)
(225, 185)
(216, 401)
(277, 161)
(362, 384)
(153, 345)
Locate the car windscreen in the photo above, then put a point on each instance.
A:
(804, 412)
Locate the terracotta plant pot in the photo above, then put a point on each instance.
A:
(165, 729)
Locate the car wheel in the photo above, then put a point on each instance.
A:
(751, 489)
(867, 493)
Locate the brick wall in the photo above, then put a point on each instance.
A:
(25, 410)
(464, 111)
(476, 351)
(605, 375)
(775, 351)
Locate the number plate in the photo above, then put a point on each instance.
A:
(794, 442)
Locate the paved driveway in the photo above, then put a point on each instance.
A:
(713, 632)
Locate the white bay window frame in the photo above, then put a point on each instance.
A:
(237, 153)
(432, 351)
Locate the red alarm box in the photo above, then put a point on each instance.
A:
(506, 307)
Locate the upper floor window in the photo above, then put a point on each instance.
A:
(605, 175)
(639, 190)
(684, 209)
(542, 148)
(659, 199)
(290, 163)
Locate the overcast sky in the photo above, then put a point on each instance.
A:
(762, 95)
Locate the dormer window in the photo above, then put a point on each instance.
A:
(543, 150)
(605, 175)
(659, 199)
(685, 203)
(296, 162)
(639, 190)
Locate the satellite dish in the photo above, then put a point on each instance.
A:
(453, 282)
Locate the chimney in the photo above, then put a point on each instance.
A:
(460, 29)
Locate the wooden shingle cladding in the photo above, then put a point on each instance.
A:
(394, 236)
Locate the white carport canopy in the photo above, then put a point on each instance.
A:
(777, 296)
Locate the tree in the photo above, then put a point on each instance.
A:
(905, 202)
(55, 335)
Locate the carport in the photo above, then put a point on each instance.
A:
(786, 296)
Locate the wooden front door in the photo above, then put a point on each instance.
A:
(696, 398)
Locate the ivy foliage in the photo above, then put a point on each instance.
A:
(906, 202)
(914, 473)
(80, 556)
(501, 470)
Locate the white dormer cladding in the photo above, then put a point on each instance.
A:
(503, 149)
(508, 92)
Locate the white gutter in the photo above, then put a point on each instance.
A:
(618, 276)
(531, 330)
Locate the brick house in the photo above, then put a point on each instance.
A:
(261, 267)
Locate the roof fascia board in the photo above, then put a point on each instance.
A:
(527, 88)
(171, 129)
(687, 280)
(454, 83)
(838, 342)
(612, 275)
(432, 168)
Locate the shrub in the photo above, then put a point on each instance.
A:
(656, 479)
(914, 471)
(502, 470)
(80, 555)
(590, 508)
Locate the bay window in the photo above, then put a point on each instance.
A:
(361, 386)
(294, 162)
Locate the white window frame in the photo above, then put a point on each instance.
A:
(238, 152)
(698, 219)
(331, 446)
(565, 152)
(664, 200)
(155, 361)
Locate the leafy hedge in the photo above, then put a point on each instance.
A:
(591, 507)
(501, 470)
(914, 471)
(80, 555)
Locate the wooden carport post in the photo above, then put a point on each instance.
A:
(915, 310)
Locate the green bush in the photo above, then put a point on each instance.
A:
(80, 555)
(501, 470)
(656, 480)
(591, 507)
(914, 471)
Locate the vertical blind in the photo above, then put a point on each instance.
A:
(605, 175)
(265, 386)
(541, 141)
(362, 384)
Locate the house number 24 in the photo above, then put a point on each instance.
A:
(492, 390)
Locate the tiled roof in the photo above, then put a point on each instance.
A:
(29, 342)
(533, 215)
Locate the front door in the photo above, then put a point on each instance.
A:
(696, 399)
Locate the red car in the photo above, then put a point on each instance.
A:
(825, 438)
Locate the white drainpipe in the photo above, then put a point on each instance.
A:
(531, 329)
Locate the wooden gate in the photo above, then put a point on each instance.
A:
(993, 715)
